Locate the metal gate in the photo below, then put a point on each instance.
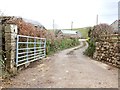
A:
(29, 49)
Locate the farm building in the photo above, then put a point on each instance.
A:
(35, 23)
(115, 26)
(68, 33)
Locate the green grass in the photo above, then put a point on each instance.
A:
(54, 46)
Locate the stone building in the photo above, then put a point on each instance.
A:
(68, 33)
(119, 16)
(115, 26)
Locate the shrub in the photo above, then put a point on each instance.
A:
(91, 48)
(58, 45)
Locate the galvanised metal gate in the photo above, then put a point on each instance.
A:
(29, 49)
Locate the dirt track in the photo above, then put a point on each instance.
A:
(67, 69)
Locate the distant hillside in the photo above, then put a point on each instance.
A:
(83, 31)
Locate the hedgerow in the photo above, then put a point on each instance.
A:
(94, 35)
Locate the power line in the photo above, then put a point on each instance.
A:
(108, 14)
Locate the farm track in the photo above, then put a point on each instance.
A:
(67, 69)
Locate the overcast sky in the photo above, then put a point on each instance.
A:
(81, 12)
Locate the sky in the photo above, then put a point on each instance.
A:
(82, 13)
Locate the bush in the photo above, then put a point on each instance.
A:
(57, 45)
(91, 48)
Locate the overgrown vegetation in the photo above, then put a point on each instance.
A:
(91, 48)
(58, 45)
(97, 31)
(94, 35)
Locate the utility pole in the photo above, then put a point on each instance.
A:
(53, 26)
(97, 19)
(71, 25)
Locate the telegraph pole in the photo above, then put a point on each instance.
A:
(97, 19)
(71, 25)
(53, 25)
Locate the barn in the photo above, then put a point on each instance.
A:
(68, 33)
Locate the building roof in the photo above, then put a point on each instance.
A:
(68, 32)
(115, 25)
(35, 23)
(32, 21)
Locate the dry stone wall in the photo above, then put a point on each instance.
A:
(0, 50)
(108, 52)
(0, 41)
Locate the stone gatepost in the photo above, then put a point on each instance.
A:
(10, 46)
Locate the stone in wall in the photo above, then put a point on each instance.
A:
(0, 49)
(107, 52)
(10, 46)
(0, 41)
